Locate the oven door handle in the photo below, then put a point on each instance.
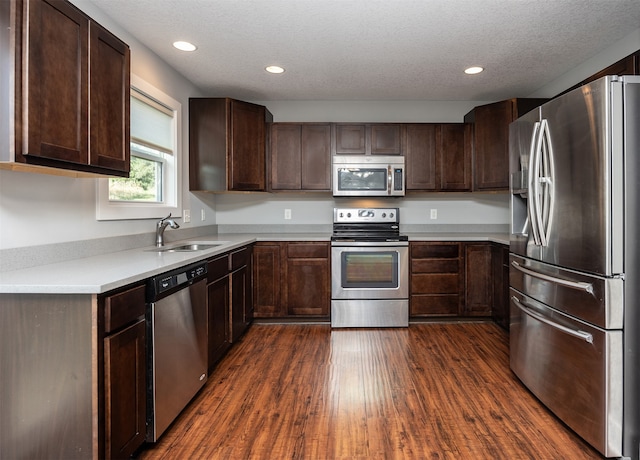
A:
(574, 333)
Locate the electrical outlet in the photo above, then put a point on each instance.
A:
(434, 214)
(186, 216)
(202, 215)
(287, 214)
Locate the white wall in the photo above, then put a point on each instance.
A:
(40, 209)
(317, 209)
(371, 111)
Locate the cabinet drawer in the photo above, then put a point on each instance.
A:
(217, 268)
(439, 304)
(435, 284)
(308, 250)
(123, 308)
(239, 258)
(435, 266)
(436, 251)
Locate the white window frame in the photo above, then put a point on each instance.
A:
(172, 180)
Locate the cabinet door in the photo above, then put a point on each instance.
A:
(492, 145)
(218, 320)
(109, 95)
(422, 162)
(286, 158)
(386, 139)
(307, 290)
(55, 93)
(125, 387)
(246, 163)
(266, 280)
(500, 294)
(454, 150)
(316, 157)
(478, 282)
(350, 139)
(238, 321)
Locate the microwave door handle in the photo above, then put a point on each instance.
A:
(567, 330)
(389, 180)
(581, 286)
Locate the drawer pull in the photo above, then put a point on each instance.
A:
(579, 334)
(581, 286)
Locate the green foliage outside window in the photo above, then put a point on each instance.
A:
(142, 184)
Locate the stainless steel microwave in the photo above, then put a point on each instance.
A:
(368, 175)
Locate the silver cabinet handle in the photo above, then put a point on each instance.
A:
(581, 286)
(527, 311)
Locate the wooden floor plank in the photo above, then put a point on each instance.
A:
(430, 391)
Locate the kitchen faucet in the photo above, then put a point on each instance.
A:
(160, 226)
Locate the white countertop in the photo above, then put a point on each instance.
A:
(102, 273)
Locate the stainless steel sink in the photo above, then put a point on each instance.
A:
(188, 247)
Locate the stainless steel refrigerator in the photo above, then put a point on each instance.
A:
(575, 262)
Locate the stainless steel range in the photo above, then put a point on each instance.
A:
(369, 269)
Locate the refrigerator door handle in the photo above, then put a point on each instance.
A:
(572, 332)
(579, 285)
(546, 179)
(532, 185)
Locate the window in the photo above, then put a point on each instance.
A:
(153, 187)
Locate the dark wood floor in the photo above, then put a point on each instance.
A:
(432, 391)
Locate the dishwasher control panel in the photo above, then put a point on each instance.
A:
(174, 278)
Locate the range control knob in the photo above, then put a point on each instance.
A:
(391, 215)
(384, 214)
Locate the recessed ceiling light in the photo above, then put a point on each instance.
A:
(274, 69)
(473, 70)
(185, 46)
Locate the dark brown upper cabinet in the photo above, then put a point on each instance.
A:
(438, 157)
(71, 90)
(491, 140)
(227, 140)
(300, 157)
(368, 139)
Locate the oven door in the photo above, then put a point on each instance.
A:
(369, 271)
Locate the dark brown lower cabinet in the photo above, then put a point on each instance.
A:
(266, 280)
(500, 275)
(437, 274)
(450, 279)
(478, 281)
(218, 309)
(125, 411)
(308, 283)
(241, 309)
(124, 371)
(291, 279)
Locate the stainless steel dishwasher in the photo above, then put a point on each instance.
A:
(177, 344)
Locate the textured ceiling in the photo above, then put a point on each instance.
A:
(375, 49)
